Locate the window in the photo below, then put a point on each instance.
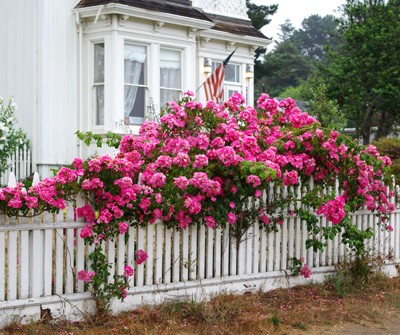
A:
(98, 83)
(232, 82)
(232, 72)
(135, 69)
(170, 75)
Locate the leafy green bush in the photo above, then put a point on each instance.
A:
(391, 147)
(11, 137)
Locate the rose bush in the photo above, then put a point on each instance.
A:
(206, 164)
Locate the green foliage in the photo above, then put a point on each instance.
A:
(11, 137)
(363, 74)
(390, 147)
(294, 58)
(112, 140)
(259, 16)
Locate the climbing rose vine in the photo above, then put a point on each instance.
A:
(206, 164)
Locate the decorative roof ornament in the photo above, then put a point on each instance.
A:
(232, 8)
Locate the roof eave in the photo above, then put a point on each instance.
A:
(115, 8)
(238, 39)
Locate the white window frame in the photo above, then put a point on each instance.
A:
(92, 87)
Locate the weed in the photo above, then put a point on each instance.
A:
(275, 320)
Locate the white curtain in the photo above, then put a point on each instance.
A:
(170, 75)
(99, 82)
(135, 59)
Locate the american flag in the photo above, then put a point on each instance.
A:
(214, 85)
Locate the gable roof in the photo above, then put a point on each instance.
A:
(184, 8)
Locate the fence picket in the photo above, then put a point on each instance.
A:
(217, 253)
(202, 252)
(150, 252)
(225, 251)
(210, 253)
(47, 261)
(2, 265)
(140, 267)
(23, 265)
(80, 259)
(256, 248)
(193, 253)
(37, 263)
(185, 255)
(12, 265)
(167, 256)
(59, 261)
(159, 253)
(176, 257)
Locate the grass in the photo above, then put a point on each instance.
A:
(299, 310)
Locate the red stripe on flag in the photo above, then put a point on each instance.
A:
(214, 85)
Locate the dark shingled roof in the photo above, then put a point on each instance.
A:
(184, 8)
(176, 7)
(235, 26)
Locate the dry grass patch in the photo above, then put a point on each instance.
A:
(299, 310)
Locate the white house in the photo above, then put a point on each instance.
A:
(102, 65)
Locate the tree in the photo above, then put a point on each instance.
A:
(363, 75)
(315, 34)
(283, 67)
(259, 16)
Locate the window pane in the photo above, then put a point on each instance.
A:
(170, 68)
(134, 104)
(99, 63)
(168, 95)
(99, 104)
(232, 71)
(135, 64)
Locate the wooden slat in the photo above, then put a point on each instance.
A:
(2, 265)
(140, 246)
(202, 252)
(120, 254)
(185, 255)
(59, 261)
(12, 266)
(150, 251)
(249, 251)
(48, 262)
(256, 248)
(193, 253)
(217, 254)
(69, 261)
(225, 251)
(176, 257)
(37, 264)
(80, 258)
(210, 253)
(159, 253)
(23, 265)
(167, 256)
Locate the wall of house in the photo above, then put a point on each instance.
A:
(17, 58)
(38, 68)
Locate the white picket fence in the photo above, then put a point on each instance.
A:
(40, 258)
(20, 163)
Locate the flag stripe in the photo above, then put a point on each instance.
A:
(214, 85)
